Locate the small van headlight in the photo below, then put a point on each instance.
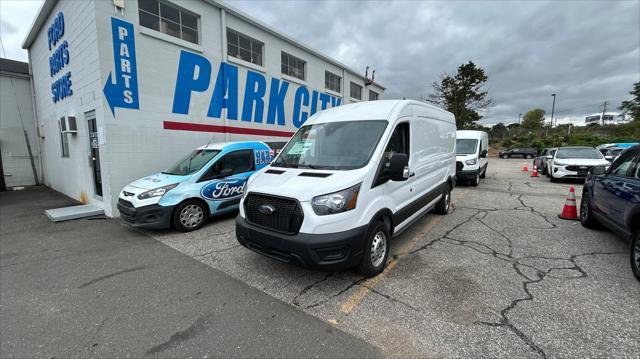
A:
(336, 202)
(471, 162)
(156, 192)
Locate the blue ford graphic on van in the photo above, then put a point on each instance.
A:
(208, 181)
(224, 189)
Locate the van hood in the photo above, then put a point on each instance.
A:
(157, 180)
(302, 184)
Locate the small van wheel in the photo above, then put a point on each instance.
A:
(484, 173)
(376, 250)
(442, 207)
(189, 216)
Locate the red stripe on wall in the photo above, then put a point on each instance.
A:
(185, 126)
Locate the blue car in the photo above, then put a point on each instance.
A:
(208, 181)
(612, 198)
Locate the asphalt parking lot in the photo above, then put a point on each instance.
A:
(500, 276)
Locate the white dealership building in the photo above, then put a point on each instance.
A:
(123, 88)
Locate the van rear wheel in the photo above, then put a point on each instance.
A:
(376, 250)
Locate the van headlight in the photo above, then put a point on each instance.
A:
(157, 192)
(336, 202)
(559, 164)
(471, 162)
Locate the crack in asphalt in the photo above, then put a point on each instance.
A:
(534, 211)
(323, 301)
(295, 301)
(216, 251)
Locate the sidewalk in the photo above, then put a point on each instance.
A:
(95, 288)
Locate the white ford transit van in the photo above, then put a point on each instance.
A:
(350, 179)
(471, 155)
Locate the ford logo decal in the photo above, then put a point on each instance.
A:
(266, 209)
(224, 189)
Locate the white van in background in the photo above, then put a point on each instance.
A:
(471, 155)
(350, 179)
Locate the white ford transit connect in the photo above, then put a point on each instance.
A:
(350, 179)
(471, 155)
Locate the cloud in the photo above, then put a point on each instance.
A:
(15, 18)
(585, 51)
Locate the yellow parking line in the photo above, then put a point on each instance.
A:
(349, 305)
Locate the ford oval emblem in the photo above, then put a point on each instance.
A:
(266, 209)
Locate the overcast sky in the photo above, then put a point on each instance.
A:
(586, 52)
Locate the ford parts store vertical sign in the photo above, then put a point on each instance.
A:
(121, 89)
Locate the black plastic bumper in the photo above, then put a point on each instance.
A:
(467, 175)
(153, 216)
(328, 252)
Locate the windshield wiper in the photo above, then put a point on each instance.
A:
(316, 167)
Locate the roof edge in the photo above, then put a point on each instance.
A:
(38, 22)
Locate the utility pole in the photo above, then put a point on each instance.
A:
(604, 110)
(553, 107)
(519, 118)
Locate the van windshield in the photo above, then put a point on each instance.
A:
(465, 146)
(341, 145)
(192, 163)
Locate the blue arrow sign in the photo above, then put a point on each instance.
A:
(121, 87)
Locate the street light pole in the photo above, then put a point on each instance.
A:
(553, 108)
(519, 118)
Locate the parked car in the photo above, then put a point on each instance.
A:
(209, 180)
(612, 198)
(471, 155)
(575, 162)
(541, 161)
(611, 153)
(518, 152)
(350, 179)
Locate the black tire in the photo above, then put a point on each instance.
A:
(476, 180)
(547, 171)
(553, 179)
(374, 258)
(504, 156)
(634, 255)
(443, 205)
(543, 169)
(484, 173)
(586, 212)
(189, 215)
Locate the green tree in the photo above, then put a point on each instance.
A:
(533, 119)
(498, 130)
(462, 94)
(632, 106)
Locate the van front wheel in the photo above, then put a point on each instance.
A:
(442, 207)
(189, 216)
(376, 250)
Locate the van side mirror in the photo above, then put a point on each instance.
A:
(395, 171)
(597, 171)
(483, 154)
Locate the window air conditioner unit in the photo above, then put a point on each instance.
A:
(68, 124)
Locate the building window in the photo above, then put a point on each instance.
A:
(293, 66)
(168, 19)
(244, 48)
(356, 91)
(373, 95)
(64, 137)
(331, 81)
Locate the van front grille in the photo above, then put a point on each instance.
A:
(287, 216)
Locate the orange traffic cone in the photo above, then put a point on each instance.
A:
(569, 211)
(535, 171)
(525, 168)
